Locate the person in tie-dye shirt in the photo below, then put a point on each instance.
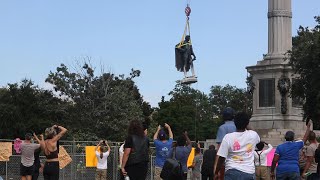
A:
(236, 150)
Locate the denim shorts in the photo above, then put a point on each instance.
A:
(233, 174)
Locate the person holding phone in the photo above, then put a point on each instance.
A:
(163, 147)
(102, 156)
(260, 160)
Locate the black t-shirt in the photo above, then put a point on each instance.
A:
(208, 161)
(139, 152)
(129, 142)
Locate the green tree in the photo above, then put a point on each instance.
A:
(305, 61)
(230, 96)
(26, 108)
(103, 104)
(188, 109)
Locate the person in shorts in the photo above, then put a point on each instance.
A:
(163, 147)
(102, 157)
(27, 157)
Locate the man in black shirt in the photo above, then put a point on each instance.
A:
(209, 157)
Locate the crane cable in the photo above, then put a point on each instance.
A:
(187, 11)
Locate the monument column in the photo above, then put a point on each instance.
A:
(279, 28)
(274, 111)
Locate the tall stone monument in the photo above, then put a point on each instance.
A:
(274, 111)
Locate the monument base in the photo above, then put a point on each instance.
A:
(189, 80)
(270, 122)
(273, 130)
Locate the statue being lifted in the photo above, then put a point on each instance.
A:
(184, 53)
(184, 59)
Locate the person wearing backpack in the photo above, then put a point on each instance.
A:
(260, 160)
(181, 153)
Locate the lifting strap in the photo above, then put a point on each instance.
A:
(186, 28)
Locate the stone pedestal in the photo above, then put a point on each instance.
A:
(270, 122)
(273, 120)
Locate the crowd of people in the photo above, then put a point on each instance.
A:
(240, 154)
(30, 166)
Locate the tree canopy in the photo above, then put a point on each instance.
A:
(94, 105)
(198, 113)
(26, 108)
(103, 104)
(305, 61)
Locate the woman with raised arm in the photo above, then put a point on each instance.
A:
(50, 147)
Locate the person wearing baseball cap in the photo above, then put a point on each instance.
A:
(163, 147)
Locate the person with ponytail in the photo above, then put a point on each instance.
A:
(102, 157)
(50, 148)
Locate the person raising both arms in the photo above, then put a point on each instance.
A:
(50, 147)
(102, 157)
(163, 148)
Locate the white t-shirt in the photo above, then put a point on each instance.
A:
(238, 148)
(102, 163)
(263, 156)
(121, 152)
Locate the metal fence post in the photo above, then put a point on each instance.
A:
(151, 168)
(115, 163)
(73, 159)
(6, 169)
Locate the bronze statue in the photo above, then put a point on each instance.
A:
(185, 56)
